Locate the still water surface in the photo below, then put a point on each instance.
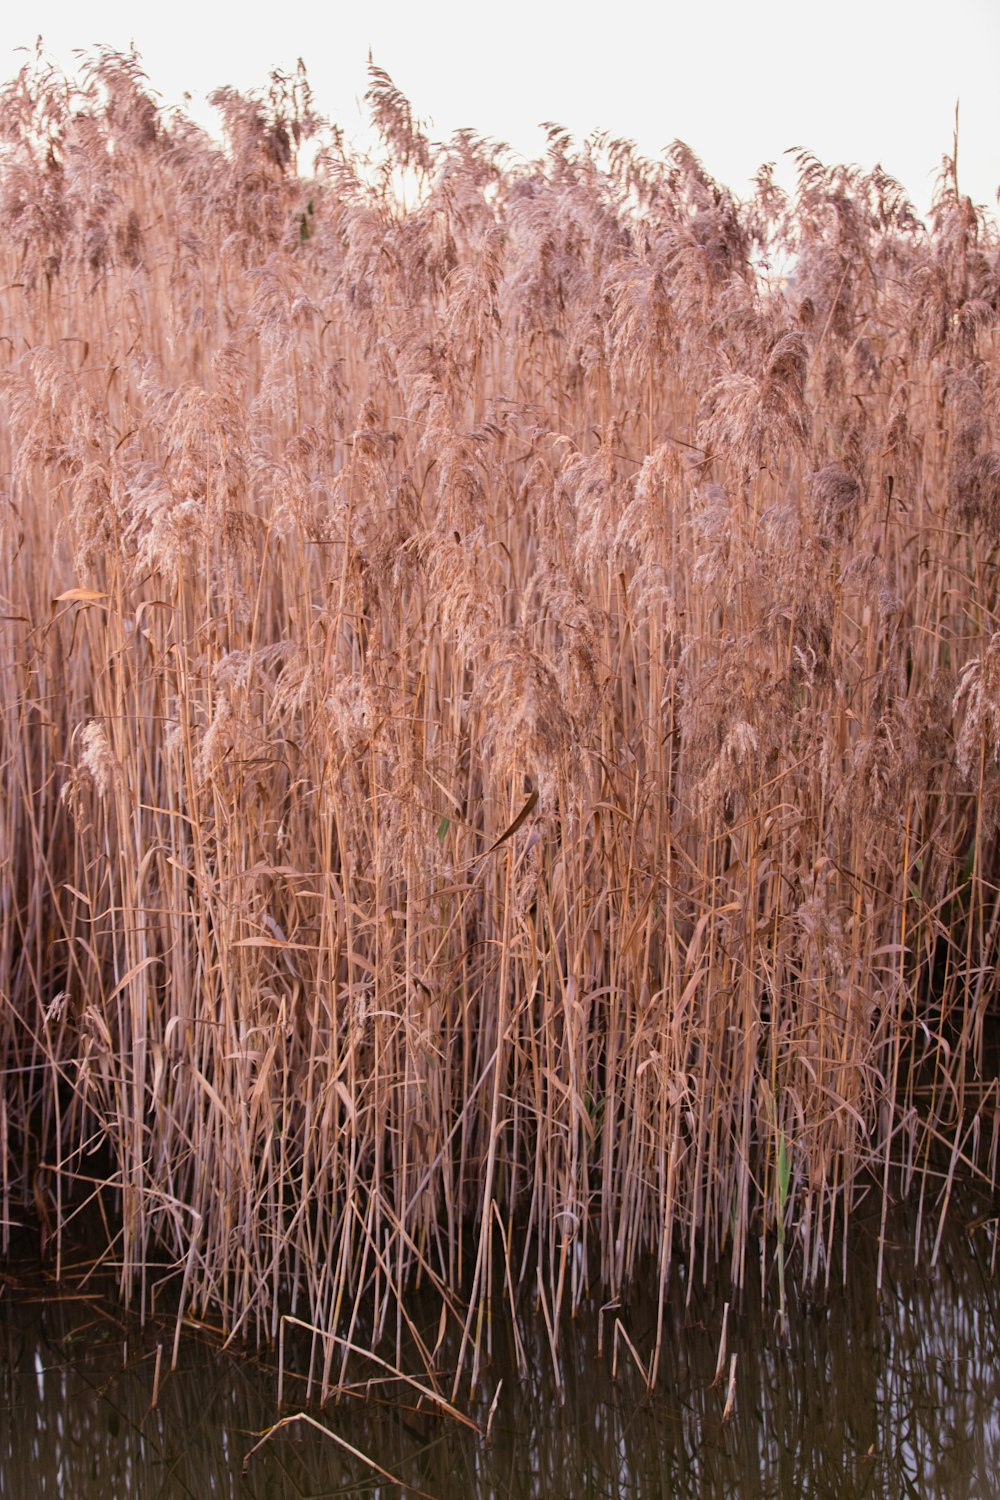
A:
(877, 1398)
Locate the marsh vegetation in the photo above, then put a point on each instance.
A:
(499, 714)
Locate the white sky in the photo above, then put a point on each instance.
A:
(852, 80)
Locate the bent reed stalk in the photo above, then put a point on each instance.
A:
(500, 729)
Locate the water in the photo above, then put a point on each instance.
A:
(876, 1399)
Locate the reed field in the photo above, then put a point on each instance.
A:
(499, 713)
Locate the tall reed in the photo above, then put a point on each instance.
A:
(500, 717)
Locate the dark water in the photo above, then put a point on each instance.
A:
(889, 1398)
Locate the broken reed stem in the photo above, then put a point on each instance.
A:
(328, 1432)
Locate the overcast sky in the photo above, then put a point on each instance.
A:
(855, 80)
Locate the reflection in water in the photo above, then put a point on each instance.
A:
(897, 1399)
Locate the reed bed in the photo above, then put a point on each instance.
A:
(500, 715)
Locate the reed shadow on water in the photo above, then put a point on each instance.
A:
(892, 1396)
